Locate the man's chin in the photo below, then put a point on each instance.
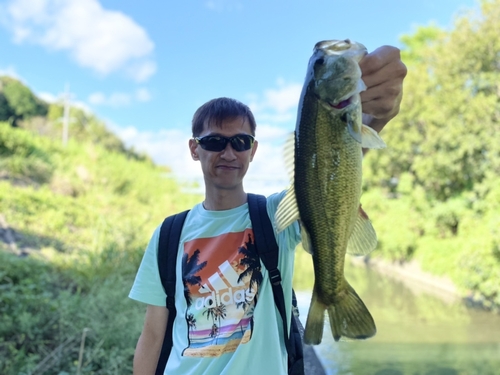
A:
(229, 185)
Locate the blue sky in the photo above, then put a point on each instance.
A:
(145, 66)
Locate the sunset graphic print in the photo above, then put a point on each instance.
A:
(221, 277)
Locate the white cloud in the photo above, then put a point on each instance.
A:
(143, 95)
(102, 40)
(11, 72)
(119, 99)
(48, 97)
(141, 70)
(116, 99)
(284, 98)
(270, 133)
(276, 105)
(165, 147)
(60, 97)
(97, 98)
(267, 174)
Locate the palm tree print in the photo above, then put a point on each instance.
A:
(190, 268)
(211, 312)
(219, 313)
(191, 322)
(251, 262)
(243, 304)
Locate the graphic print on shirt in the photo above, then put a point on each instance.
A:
(221, 277)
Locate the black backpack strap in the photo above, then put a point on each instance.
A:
(268, 251)
(168, 245)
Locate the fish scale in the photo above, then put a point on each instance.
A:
(320, 200)
(326, 187)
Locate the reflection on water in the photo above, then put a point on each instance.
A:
(418, 333)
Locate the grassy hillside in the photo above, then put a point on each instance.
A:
(74, 222)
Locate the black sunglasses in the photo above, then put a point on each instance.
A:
(217, 143)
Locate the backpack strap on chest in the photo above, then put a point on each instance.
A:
(168, 246)
(268, 251)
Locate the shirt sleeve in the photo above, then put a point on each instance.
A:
(147, 287)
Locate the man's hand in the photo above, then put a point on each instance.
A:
(383, 73)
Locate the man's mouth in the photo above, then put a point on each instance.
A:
(228, 167)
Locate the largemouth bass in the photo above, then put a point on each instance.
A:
(326, 189)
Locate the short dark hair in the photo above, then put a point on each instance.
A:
(215, 111)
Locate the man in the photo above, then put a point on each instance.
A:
(226, 319)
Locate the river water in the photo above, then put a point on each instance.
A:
(419, 332)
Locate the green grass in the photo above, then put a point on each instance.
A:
(84, 215)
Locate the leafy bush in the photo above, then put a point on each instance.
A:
(43, 313)
(24, 155)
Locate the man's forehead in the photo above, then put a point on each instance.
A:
(228, 123)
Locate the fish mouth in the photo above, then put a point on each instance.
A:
(351, 98)
(342, 104)
(333, 46)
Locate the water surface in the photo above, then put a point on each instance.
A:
(418, 332)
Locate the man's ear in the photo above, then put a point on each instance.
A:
(254, 149)
(193, 149)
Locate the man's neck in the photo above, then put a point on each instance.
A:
(224, 200)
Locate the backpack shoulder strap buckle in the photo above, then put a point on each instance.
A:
(275, 276)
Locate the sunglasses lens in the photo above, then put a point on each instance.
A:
(217, 143)
(242, 142)
(213, 143)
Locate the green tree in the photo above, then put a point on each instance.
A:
(19, 102)
(442, 163)
(445, 134)
(6, 111)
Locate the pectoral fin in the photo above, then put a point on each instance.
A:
(363, 238)
(370, 138)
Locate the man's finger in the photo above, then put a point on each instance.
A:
(384, 105)
(390, 90)
(375, 60)
(394, 70)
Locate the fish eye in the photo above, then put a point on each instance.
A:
(320, 61)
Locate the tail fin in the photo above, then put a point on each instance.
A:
(313, 332)
(350, 317)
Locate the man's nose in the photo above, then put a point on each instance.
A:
(228, 152)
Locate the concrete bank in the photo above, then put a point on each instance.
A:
(412, 275)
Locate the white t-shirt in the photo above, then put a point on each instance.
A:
(227, 321)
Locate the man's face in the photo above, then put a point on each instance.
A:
(225, 169)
